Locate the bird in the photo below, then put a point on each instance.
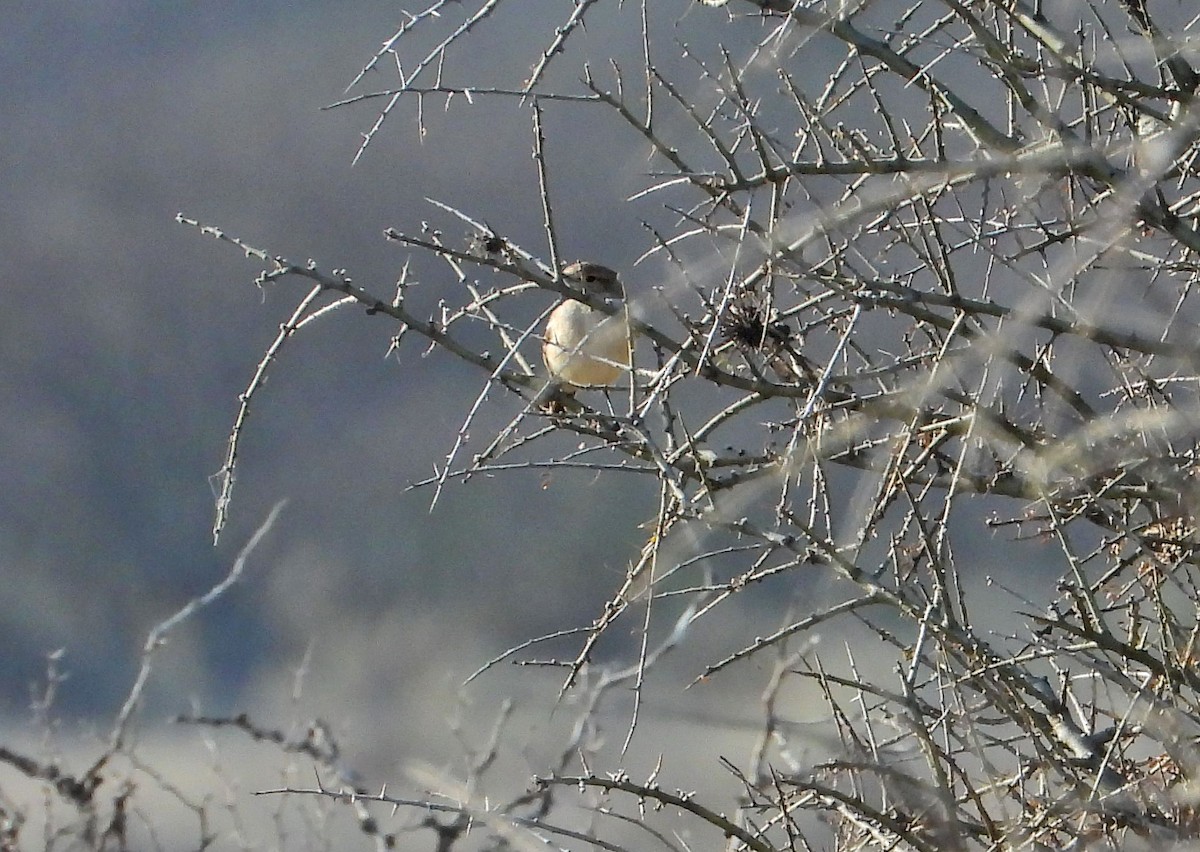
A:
(583, 347)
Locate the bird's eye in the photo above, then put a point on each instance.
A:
(591, 278)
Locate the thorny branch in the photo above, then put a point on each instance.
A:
(895, 264)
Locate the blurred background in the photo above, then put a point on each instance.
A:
(127, 339)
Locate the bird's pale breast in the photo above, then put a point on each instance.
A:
(585, 347)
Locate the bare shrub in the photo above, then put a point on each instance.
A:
(915, 285)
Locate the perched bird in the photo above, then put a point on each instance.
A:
(583, 347)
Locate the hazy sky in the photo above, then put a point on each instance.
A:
(128, 337)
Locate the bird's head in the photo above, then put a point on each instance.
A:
(594, 278)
